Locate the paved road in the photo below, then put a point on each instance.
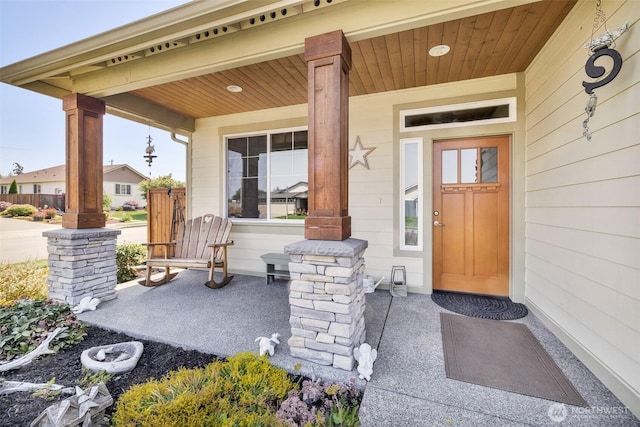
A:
(23, 240)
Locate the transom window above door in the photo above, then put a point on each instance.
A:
(456, 115)
(267, 175)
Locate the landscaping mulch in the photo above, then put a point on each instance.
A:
(20, 409)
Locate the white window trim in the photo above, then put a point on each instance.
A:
(119, 186)
(453, 107)
(403, 186)
(268, 132)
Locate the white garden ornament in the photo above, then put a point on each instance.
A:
(365, 356)
(268, 345)
(86, 303)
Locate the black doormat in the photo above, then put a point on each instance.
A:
(484, 307)
(503, 355)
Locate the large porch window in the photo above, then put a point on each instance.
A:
(267, 175)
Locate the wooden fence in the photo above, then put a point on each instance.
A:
(165, 211)
(37, 200)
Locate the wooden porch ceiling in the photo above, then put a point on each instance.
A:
(500, 42)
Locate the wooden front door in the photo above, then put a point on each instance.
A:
(470, 217)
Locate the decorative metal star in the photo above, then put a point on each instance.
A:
(358, 154)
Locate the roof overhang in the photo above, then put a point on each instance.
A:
(188, 41)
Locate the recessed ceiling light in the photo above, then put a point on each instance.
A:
(439, 50)
(234, 88)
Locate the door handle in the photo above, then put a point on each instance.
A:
(438, 224)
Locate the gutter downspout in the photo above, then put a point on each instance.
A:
(187, 145)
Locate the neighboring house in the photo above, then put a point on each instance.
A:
(559, 213)
(289, 201)
(120, 182)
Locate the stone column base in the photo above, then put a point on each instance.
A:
(327, 300)
(82, 262)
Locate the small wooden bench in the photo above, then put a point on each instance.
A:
(272, 259)
(201, 243)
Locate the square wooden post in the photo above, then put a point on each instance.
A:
(329, 60)
(83, 205)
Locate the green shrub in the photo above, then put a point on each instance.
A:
(21, 210)
(106, 202)
(26, 280)
(90, 378)
(128, 256)
(242, 391)
(39, 216)
(13, 188)
(25, 324)
(126, 218)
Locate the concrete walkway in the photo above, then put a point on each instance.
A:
(408, 386)
(22, 240)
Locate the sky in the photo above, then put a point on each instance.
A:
(32, 131)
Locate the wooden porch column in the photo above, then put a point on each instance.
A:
(83, 205)
(329, 60)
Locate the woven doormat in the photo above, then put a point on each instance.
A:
(503, 355)
(484, 307)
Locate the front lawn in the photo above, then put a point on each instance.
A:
(140, 215)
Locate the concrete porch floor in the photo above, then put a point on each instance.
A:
(408, 386)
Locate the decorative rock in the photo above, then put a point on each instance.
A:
(128, 354)
(268, 345)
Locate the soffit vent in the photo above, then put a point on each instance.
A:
(224, 29)
(164, 47)
(124, 58)
(270, 16)
(213, 33)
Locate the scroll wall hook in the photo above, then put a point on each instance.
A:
(600, 46)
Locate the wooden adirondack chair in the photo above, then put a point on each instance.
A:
(201, 243)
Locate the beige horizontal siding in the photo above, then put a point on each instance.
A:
(582, 199)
